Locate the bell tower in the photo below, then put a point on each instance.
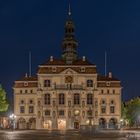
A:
(69, 44)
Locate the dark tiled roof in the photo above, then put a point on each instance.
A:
(106, 78)
(28, 78)
(62, 62)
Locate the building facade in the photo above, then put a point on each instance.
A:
(67, 93)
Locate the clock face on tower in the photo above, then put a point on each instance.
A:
(68, 79)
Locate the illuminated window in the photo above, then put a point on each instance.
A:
(61, 99)
(89, 83)
(31, 109)
(22, 109)
(47, 99)
(76, 99)
(89, 99)
(47, 83)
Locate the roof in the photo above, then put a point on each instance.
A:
(62, 62)
(28, 78)
(106, 78)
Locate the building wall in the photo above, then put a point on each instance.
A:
(38, 119)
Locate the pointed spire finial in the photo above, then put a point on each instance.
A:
(69, 13)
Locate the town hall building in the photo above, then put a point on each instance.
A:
(67, 93)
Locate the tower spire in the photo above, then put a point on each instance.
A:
(69, 13)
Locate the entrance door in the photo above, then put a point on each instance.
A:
(76, 125)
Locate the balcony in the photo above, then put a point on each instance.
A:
(69, 87)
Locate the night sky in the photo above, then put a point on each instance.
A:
(101, 25)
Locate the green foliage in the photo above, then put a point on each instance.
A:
(3, 102)
(131, 111)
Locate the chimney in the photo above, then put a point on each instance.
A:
(51, 58)
(110, 75)
(84, 58)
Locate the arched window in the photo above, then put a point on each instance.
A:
(47, 99)
(76, 99)
(89, 83)
(89, 99)
(61, 99)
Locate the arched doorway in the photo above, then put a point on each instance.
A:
(32, 123)
(102, 123)
(21, 123)
(113, 123)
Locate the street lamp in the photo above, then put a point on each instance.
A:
(12, 121)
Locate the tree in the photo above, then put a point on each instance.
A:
(131, 111)
(3, 101)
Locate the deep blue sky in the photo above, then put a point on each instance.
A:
(101, 25)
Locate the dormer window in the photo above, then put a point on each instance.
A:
(53, 69)
(82, 69)
(25, 84)
(108, 84)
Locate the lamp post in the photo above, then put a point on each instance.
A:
(12, 121)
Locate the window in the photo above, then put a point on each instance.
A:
(89, 83)
(26, 91)
(25, 84)
(61, 112)
(22, 109)
(31, 91)
(103, 102)
(47, 83)
(76, 99)
(31, 101)
(89, 99)
(53, 69)
(47, 99)
(112, 109)
(108, 91)
(31, 109)
(102, 91)
(47, 112)
(113, 91)
(20, 91)
(103, 109)
(22, 102)
(112, 102)
(61, 99)
(82, 69)
(108, 84)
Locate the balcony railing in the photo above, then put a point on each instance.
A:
(69, 87)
